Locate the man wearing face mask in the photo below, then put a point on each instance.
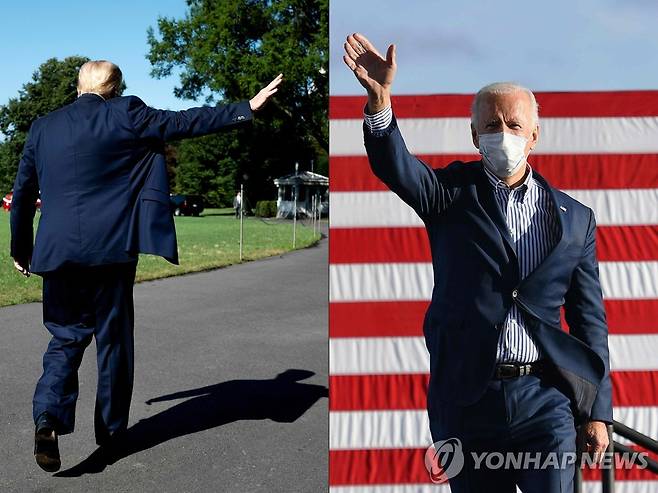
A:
(508, 251)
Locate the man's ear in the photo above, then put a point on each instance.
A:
(534, 137)
(474, 136)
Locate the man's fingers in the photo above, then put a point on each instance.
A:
(21, 269)
(349, 62)
(598, 454)
(358, 47)
(390, 55)
(363, 41)
(596, 450)
(350, 51)
(277, 80)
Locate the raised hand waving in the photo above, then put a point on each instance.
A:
(374, 72)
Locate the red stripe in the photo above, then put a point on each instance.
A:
(385, 245)
(409, 391)
(378, 392)
(405, 318)
(375, 245)
(390, 466)
(400, 466)
(376, 319)
(551, 104)
(563, 171)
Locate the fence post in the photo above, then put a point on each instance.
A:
(315, 210)
(294, 218)
(241, 212)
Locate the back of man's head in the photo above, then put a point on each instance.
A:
(100, 77)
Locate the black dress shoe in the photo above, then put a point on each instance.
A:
(46, 449)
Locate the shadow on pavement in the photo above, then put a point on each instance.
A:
(282, 399)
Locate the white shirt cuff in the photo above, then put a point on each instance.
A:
(380, 120)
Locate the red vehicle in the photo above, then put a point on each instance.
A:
(6, 201)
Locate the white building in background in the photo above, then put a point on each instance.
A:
(309, 187)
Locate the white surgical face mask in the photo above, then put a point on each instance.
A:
(503, 153)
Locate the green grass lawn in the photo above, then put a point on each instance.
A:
(209, 241)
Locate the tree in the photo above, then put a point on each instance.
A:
(53, 85)
(227, 50)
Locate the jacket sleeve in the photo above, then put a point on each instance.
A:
(585, 314)
(23, 202)
(416, 183)
(165, 125)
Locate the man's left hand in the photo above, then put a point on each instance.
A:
(23, 266)
(593, 439)
(259, 100)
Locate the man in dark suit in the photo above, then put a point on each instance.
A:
(99, 167)
(508, 251)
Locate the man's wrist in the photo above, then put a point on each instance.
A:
(378, 102)
(379, 121)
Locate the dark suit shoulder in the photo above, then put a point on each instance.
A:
(53, 115)
(127, 102)
(572, 203)
(459, 173)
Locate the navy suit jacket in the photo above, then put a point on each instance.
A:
(99, 166)
(476, 273)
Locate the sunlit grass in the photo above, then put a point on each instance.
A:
(206, 242)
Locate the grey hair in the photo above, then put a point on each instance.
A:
(498, 88)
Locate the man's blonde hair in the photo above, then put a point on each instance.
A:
(100, 77)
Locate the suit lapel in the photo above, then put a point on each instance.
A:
(562, 215)
(490, 204)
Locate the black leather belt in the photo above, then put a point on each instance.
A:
(513, 370)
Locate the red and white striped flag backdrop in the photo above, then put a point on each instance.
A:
(602, 149)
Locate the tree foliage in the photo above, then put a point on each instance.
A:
(227, 50)
(53, 85)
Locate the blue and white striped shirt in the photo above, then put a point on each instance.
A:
(533, 224)
(534, 228)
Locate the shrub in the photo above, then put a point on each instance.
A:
(266, 208)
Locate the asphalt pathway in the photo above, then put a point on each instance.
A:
(230, 387)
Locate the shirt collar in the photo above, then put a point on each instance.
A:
(94, 93)
(496, 182)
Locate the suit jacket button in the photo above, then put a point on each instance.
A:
(515, 293)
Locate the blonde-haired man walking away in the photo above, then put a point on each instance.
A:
(99, 166)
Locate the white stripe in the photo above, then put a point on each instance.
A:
(414, 281)
(385, 209)
(633, 352)
(370, 282)
(377, 355)
(558, 135)
(352, 430)
(588, 487)
(395, 355)
(378, 430)
(642, 419)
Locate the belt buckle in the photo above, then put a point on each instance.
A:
(507, 370)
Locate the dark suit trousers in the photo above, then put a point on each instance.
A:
(79, 304)
(523, 414)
